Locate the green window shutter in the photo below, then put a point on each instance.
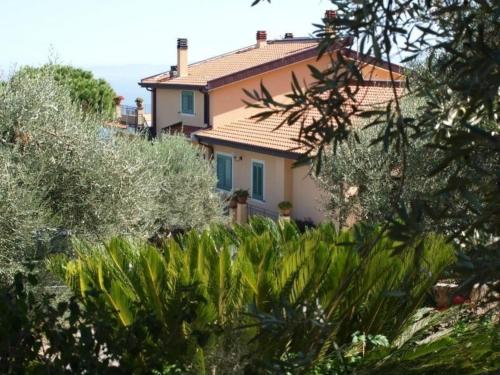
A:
(187, 102)
(220, 172)
(224, 172)
(258, 181)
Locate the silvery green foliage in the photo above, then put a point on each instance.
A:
(62, 172)
(362, 181)
(181, 185)
(21, 214)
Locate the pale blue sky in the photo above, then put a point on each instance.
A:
(123, 41)
(122, 32)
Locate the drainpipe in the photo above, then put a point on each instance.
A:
(206, 107)
(153, 128)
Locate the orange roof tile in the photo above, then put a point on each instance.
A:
(264, 134)
(202, 72)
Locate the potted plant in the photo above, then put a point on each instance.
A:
(232, 201)
(118, 99)
(285, 207)
(139, 101)
(241, 195)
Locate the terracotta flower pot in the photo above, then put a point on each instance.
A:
(233, 203)
(242, 200)
(285, 212)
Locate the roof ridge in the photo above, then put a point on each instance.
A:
(239, 50)
(252, 46)
(296, 39)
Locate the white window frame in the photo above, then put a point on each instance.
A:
(194, 104)
(263, 200)
(232, 170)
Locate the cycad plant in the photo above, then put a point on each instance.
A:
(277, 288)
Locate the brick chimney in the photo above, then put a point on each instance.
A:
(261, 39)
(329, 16)
(182, 57)
(288, 36)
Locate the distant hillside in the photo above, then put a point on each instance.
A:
(124, 79)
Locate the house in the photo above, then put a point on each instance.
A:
(204, 101)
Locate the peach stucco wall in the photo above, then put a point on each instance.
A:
(281, 182)
(226, 102)
(275, 176)
(308, 200)
(168, 109)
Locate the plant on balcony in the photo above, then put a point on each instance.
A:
(118, 99)
(241, 195)
(285, 207)
(232, 201)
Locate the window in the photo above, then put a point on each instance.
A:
(187, 102)
(224, 165)
(258, 180)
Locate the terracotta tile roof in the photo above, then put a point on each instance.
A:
(202, 72)
(181, 128)
(264, 134)
(251, 133)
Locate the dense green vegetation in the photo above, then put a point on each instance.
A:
(435, 167)
(203, 289)
(452, 48)
(64, 175)
(362, 181)
(263, 298)
(92, 95)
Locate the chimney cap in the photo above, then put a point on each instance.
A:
(182, 43)
(288, 35)
(261, 35)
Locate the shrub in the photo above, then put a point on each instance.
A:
(61, 172)
(285, 205)
(307, 290)
(92, 95)
(241, 195)
(38, 335)
(22, 214)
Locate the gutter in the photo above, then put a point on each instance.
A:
(258, 149)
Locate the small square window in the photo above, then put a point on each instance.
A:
(187, 102)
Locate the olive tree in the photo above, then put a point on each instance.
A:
(459, 43)
(362, 182)
(457, 118)
(64, 174)
(91, 94)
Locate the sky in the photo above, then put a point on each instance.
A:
(125, 40)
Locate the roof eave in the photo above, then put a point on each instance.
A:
(243, 146)
(275, 64)
(173, 86)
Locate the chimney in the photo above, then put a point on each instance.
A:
(261, 38)
(173, 71)
(288, 36)
(182, 57)
(330, 15)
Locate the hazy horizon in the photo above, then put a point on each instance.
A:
(123, 41)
